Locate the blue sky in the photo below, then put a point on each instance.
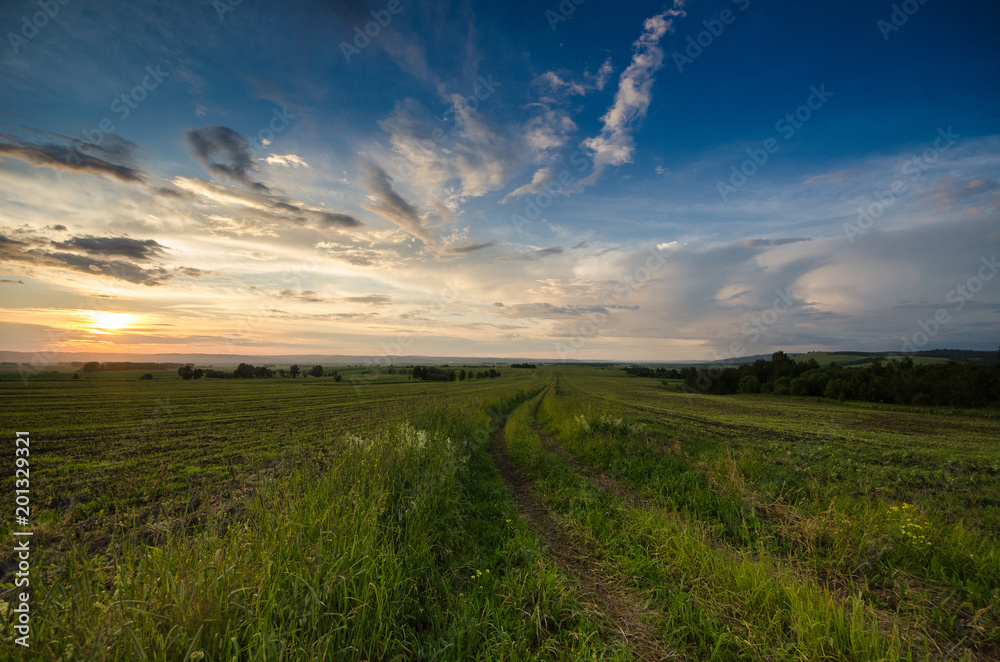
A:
(635, 181)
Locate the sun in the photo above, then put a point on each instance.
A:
(106, 323)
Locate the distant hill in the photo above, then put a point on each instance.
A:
(848, 358)
(852, 358)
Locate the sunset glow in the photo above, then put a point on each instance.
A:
(103, 322)
(485, 179)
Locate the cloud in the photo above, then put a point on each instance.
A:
(753, 243)
(465, 155)
(390, 205)
(547, 311)
(224, 153)
(15, 282)
(307, 296)
(286, 160)
(112, 157)
(539, 180)
(33, 250)
(548, 131)
(270, 207)
(556, 83)
(615, 146)
(369, 299)
(121, 246)
(467, 248)
(537, 254)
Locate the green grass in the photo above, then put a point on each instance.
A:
(305, 519)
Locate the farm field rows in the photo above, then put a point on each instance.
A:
(550, 514)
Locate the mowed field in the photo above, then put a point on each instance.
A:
(553, 514)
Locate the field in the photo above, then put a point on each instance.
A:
(563, 513)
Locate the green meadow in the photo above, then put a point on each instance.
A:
(558, 513)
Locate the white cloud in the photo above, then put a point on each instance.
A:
(541, 177)
(286, 160)
(615, 146)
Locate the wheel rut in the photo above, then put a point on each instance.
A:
(620, 609)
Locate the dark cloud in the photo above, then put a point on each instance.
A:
(112, 157)
(264, 206)
(36, 251)
(121, 246)
(15, 282)
(225, 153)
(390, 205)
(170, 192)
(468, 248)
(330, 219)
(370, 299)
(309, 296)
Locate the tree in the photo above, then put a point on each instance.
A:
(461, 375)
(317, 371)
(294, 370)
(749, 384)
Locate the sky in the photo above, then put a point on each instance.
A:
(578, 180)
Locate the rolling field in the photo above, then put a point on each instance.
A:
(562, 513)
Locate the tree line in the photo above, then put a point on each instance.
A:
(248, 371)
(110, 366)
(895, 381)
(435, 374)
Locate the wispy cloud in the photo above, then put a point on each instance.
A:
(224, 153)
(615, 146)
(111, 157)
(390, 205)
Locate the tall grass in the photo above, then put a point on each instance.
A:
(714, 603)
(406, 546)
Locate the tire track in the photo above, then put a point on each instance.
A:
(621, 611)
